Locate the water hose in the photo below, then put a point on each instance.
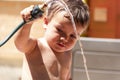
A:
(12, 33)
(35, 13)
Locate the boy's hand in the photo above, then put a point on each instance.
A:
(26, 13)
(33, 12)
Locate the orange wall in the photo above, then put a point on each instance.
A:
(104, 14)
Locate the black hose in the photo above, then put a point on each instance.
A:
(36, 13)
(12, 33)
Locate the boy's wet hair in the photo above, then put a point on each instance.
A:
(78, 8)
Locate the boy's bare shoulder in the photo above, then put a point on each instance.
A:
(34, 48)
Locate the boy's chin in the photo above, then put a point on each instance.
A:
(62, 50)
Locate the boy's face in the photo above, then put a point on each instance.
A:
(60, 33)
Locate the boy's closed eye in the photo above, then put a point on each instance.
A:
(61, 32)
(73, 36)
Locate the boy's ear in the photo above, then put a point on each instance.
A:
(45, 22)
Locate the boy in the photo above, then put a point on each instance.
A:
(50, 57)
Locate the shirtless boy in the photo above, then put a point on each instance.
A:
(50, 57)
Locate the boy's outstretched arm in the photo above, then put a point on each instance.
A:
(23, 41)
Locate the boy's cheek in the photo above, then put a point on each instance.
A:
(73, 44)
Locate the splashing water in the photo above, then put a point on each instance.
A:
(74, 27)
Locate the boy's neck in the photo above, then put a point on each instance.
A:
(56, 53)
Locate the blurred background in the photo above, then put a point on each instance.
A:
(10, 57)
(104, 23)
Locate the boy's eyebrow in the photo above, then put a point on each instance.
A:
(67, 16)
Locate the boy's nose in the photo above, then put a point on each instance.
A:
(64, 39)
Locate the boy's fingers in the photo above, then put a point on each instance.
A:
(26, 13)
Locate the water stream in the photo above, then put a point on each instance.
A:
(74, 27)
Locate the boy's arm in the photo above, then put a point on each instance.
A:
(22, 40)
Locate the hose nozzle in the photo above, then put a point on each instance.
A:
(38, 11)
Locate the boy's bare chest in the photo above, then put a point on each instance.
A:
(44, 65)
(55, 65)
